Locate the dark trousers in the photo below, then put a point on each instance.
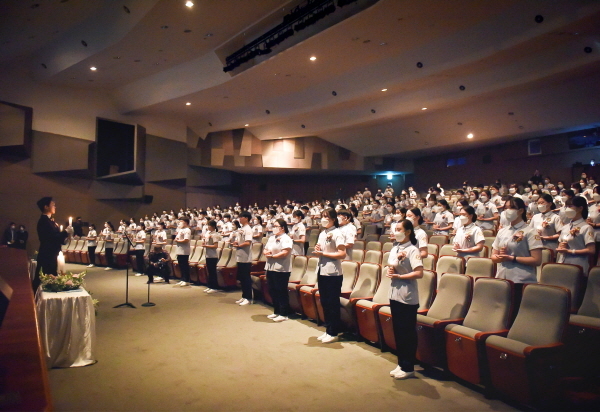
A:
(47, 265)
(277, 283)
(184, 267)
(243, 275)
(92, 254)
(517, 297)
(211, 268)
(139, 258)
(404, 320)
(330, 288)
(109, 257)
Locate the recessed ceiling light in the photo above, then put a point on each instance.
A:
(470, 136)
(246, 125)
(188, 104)
(281, 137)
(93, 68)
(424, 108)
(384, 90)
(189, 4)
(313, 58)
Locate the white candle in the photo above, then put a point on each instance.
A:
(70, 221)
(61, 228)
(61, 262)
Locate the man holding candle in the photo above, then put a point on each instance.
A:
(51, 239)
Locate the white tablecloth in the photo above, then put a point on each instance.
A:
(67, 327)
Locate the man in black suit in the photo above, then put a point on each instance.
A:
(78, 227)
(10, 235)
(51, 239)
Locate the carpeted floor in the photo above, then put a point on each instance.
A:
(194, 351)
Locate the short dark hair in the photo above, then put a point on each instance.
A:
(186, 220)
(43, 202)
(247, 215)
(283, 224)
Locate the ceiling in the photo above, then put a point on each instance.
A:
(488, 67)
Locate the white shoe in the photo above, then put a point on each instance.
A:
(139, 274)
(158, 279)
(182, 284)
(395, 371)
(404, 375)
(244, 302)
(206, 289)
(323, 336)
(280, 318)
(272, 316)
(212, 291)
(329, 339)
(179, 283)
(107, 268)
(90, 265)
(240, 301)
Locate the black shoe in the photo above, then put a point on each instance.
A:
(150, 281)
(166, 281)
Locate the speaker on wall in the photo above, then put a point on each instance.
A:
(148, 199)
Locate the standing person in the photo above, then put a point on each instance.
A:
(92, 239)
(160, 235)
(257, 229)
(211, 243)
(405, 267)
(414, 215)
(139, 249)
(331, 251)
(243, 256)
(279, 266)
(442, 223)
(108, 233)
(547, 224)
(182, 242)
(51, 239)
(517, 250)
(345, 219)
(22, 236)
(576, 243)
(469, 239)
(78, 227)
(298, 233)
(10, 235)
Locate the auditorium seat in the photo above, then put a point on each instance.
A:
(120, 254)
(78, 251)
(489, 241)
(567, 276)
(371, 238)
(488, 233)
(358, 255)
(525, 365)
(373, 245)
(439, 240)
(313, 238)
(373, 256)
(385, 258)
(364, 288)
(227, 274)
(488, 315)
(359, 245)
(548, 256)
(426, 286)
(65, 246)
(195, 257)
(299, 264)
(309, 279)
(369, 229)
(447, 250)
(478, 267)
(384, 238)
(387, 246)
(450, 306)
(429, 262)
(433, 249)
(365, 310)
(350, 271)
(583, 332)
(307, 300)
(449, 264)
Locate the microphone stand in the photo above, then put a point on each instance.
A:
(127, 304)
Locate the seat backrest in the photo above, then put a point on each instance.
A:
(488, 233)
(438, 239)
(81, 244)
(100, 246)
(591, 301)
(256, 250)
(358, 255)
(298, 268)
(484, 252)
(433, 249)
(224, 259)
(66, 245)
(564, 275)
(197, 255)
(426, 286)
(543, 315)
(173, 253)
(384, 238)
(313, 238)
(310, 274)
(480, 267)
(491, 305)
(450, 264)
(373, 256)
(373, 245)
(489, 241)
(387, 246)
(385, 258)
(447, 250)
(359, 244)
(547, 257)
(371, 238)
(429, 262)
(369, 230)
(349, 271)
(429, 233)
(264, 240)
(453, 297)
(383, 290)
(119, 247)
(366, 283)
(168, 248)
(232, 259)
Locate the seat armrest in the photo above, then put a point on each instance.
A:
(345, 295)
(295, 281)
(354, 300)
(314, 291)
(441, 324)
(546, 350)
(423, 312)
(378, 306)
(263, 276)
(298, 286)
(482, 336)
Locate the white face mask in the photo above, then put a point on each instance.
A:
(512, 190)
(591, 182)
(527, 190)
(511, 214)
(596, 197)
(564, 198)
(553, 192)
(535, 197)
(437, 209)
(397, 217)
(570, 213)
(483, 198)
(399, 236)
(464, 220)
(560, 186)
(543, 208)
(324, 222)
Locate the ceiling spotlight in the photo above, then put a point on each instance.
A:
(303, 126)
(384, 90)
(419, 65)
(470, 136)
(189, 4)
(424, 108)
(461, 87)
(246, 125)
(372, 110)
(188, 104)
(313, 58)
(93, 68)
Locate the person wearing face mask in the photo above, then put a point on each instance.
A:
(532, 208)
(404, 268)
(517, 250)
(398, 216)
(566, 196)
(92, 242)
(298, 233)
(526, 196)
(257, 229)
(428, 213)
(138, 251)
(487, 213)
(513, 190)
(243, 246)
(21, 238)
(331, 250)
(442, 224)
(182, 245)
(593, 218)
(227, 227)
(469, 239)
(377, 217)
(546, 223)
(578, 190)
(474, 199)
(108, 234)
(211, 238)
(278, 252)
(460, 205)
(414, 215)
(348, 229)
(577, 238)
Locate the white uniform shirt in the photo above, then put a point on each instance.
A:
(257, 230)
(421, 236)
(547, 224)
(468, 237)
(92, 233)
(578, 235)
(329, 240)
(211, 238)
(109, 238)
(244, 254)
(594, 214)
(443, 219)
(275, 245)
(487, 210)
(183, 248)
(349, 232)
(297, 231)
(139, 236)
(519, 240)
(404, 258)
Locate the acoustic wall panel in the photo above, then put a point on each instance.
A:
(56, 153)
(165, 159)
(15, 129)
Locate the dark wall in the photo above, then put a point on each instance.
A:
(509, 162)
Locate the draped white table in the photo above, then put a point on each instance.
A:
(67, 327)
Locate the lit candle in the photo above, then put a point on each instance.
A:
(70, 221)
(61, 228)
(61, 263)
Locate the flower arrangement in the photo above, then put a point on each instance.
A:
(62, 282)
(575, 231)
(519, 236)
